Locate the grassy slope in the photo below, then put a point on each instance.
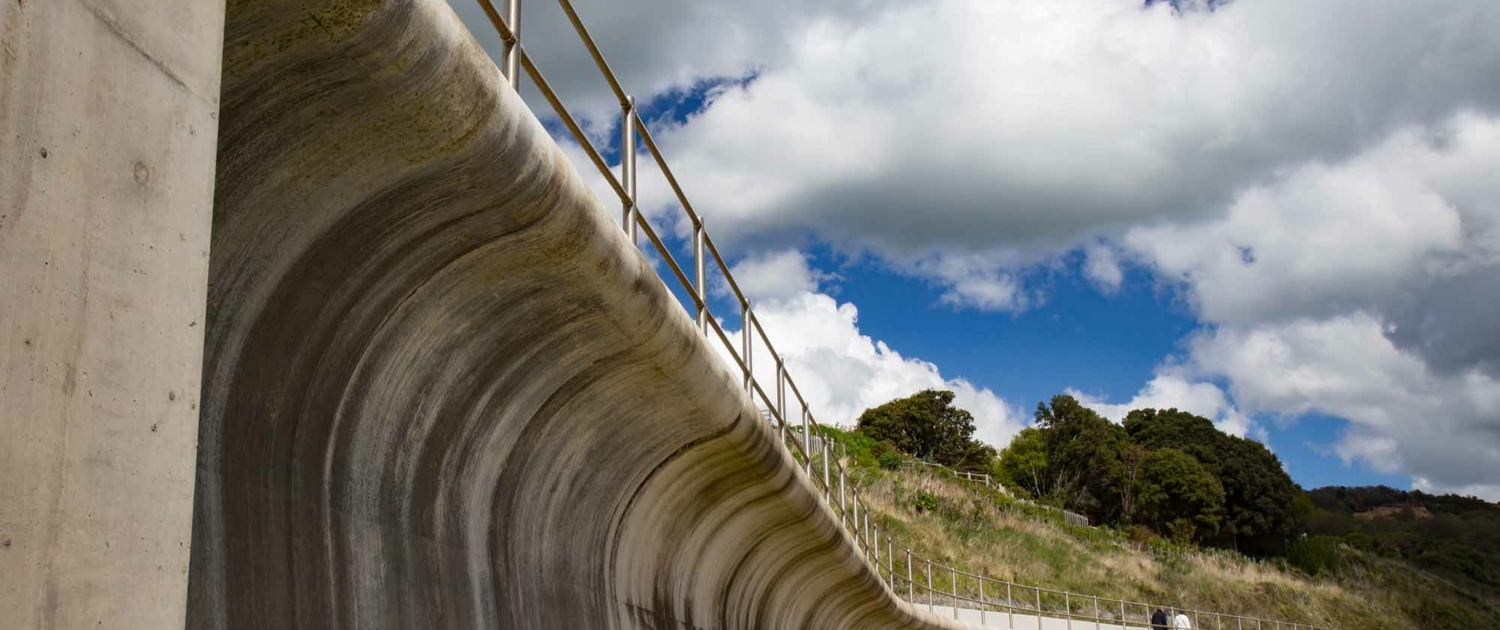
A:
(985, 532)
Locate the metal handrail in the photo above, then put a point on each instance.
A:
(854, 518)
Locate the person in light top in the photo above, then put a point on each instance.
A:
(1180, 622)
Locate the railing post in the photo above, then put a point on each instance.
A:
(512, 56)
(747, 322)
(828, 487)
(627, 167)
(867, 529)
(911, 587)
(1010, 608)
(982, 606)
(843, 504)
(929, 585)
(1068, 606)
(781, 389)
(1097, 615)
(806, 435)
(855, 504)
(1122, 614)
(699, 265)
(875, 545)
(953, 582)
(1038, 608)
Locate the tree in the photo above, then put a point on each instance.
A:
(1179, 495)
(1257, 491)
(928, 426)
(1132, 457)
(1023, 464)
(1083, 457)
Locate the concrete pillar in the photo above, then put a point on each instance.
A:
(108, 123)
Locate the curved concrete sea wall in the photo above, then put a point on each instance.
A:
(441, 389)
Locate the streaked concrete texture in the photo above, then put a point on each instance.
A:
(441, 390)
(107, 131)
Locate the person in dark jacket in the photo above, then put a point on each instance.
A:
(1159, 620)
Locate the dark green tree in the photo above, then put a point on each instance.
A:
(1178, 495)
(926, 425)
(1258, 493)
(1084, 457)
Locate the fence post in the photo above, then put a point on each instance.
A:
(781, 389)
(953, 582)
(1010, 608)
(627, 166)
(1068, 606)
(698, 272)
(929, 585)
(746, 323)
(827, 485)
(982, 606)
(806, 435)
(512, 56)
(843, 504)
(1096, 612)
(854, 503)
(911, 587)
(875, 545)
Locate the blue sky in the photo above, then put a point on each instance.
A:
(1106, 345)
(1280, 215)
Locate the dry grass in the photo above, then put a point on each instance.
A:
(982, 531)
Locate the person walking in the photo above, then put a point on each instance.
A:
(1180, 622)
(1159, 620)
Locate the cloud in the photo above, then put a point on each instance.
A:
(777, 276)
(981, 137)
(841, 371)
(953, 128)
(1365, 290)
(1171, 388)
(971, 281)
(1487, 492)
(1404, 416)
(1409, 231)
(1102, 268)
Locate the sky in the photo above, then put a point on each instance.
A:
(1281, 215)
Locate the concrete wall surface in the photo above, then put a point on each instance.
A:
(107, 133)
(441, 390)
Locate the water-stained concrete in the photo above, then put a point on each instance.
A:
(441, 390)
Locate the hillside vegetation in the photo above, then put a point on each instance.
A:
(985, 531)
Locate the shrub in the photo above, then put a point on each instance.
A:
(926, 501)
(1317, 555)
(890, 460)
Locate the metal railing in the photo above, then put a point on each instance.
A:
(1069, 517)
(962, 474)
(842, 499)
